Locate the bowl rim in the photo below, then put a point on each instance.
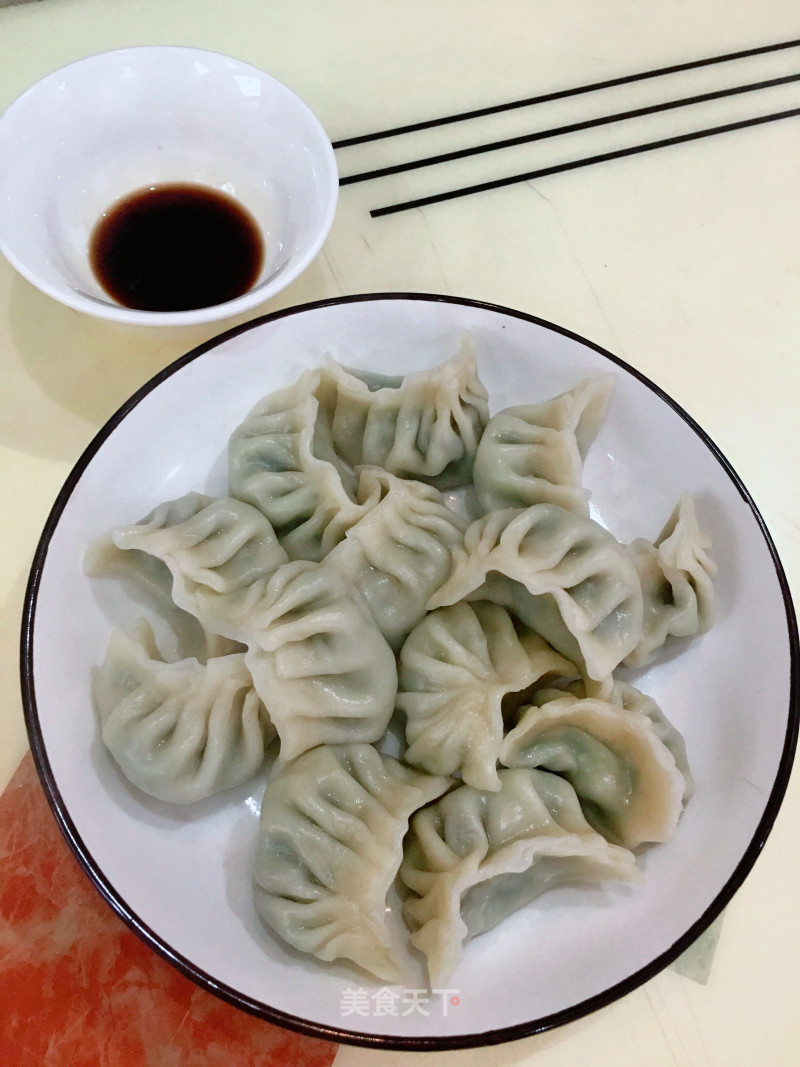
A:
(343, 1035)
(113, 312)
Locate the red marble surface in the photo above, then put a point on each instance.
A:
(78, 989)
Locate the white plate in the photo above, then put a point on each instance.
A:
(181, 879)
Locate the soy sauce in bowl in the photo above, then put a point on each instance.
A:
(176, 247)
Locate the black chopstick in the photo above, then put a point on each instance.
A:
(562, 94)
(574, 127)
(588, 161)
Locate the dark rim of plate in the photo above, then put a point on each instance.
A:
(264, 1011)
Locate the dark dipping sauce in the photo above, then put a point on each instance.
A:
(176, 248)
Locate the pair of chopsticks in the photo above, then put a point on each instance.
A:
(561, 94)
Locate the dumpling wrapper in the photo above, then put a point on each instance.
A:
(562, 574)
(423, 426)
(319, 661)
(295, 455)
(456, 670)
(677, 577)
(626, 696)
(282, 461)
(626, 779)
(475, 857)
(400, 553)
(221, 553)
(534, 453)
(330, 843)
(149, 583)
(182, 731)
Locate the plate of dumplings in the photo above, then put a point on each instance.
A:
(409, 671)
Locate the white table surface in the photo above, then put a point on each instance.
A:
(685, 262)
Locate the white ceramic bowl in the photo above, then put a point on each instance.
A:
(181, 879)
(97, 130)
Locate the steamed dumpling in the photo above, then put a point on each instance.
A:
(319, 661)
(562, 574)
(425, 426)
(399, 554)
(626, 696)
(625, 777)
(476, 857)
(329, 846)
(181, 731)
(220, 552)
(534, 453)
(456, 669)
(148, 582)
(631, 699)
(677, 576)
(282, 461)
